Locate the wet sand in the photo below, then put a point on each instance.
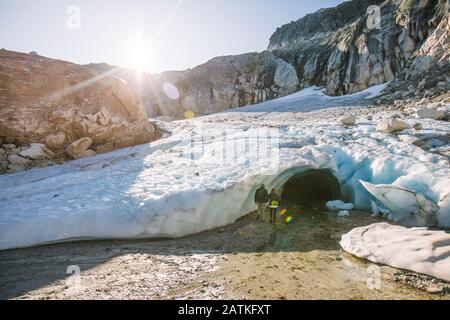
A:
(304, 261)
(247, 260)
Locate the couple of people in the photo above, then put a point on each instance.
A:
(262, 197)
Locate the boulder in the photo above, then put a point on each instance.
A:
(49, 153)
(35, 152)
(18, 160)
(55, 139)
(393, 125)
(78, 146)
(349, 121)
(431, 113)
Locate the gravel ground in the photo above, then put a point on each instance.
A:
(158, 269)
(247, 260)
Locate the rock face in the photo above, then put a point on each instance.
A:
(223, 83)
(344, 50)
(55, 103)
(219, 84)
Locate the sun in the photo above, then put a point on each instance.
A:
(139, 56)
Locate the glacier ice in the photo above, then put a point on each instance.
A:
(177, 186)
(403, 204)
(417, 249)
(378, 209)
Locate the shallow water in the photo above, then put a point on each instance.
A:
(304, 261)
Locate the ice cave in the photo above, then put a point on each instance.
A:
(156, 191)
(311, 188)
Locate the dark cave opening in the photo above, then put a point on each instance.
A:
(311, 188)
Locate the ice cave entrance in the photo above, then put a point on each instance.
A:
(310, 188)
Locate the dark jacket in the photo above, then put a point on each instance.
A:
(274, 197)
(261, 195)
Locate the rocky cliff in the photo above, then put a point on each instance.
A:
(344, 49)
(219, 84)
(427, 73)
(223, 83)
(56, 103)
(353, 46)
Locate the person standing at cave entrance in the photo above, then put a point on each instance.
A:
(261, 198)
(274, 202)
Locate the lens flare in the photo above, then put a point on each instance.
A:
(189, 114)
(171, 91)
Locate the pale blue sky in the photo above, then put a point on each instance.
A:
(157, 34)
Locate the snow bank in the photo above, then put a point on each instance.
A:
(313, 98)
(416, 249)
(375, 91)
(337, 205)
(176, 186)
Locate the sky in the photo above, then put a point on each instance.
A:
(151, 35)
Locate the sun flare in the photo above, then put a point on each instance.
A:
(139, 56)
